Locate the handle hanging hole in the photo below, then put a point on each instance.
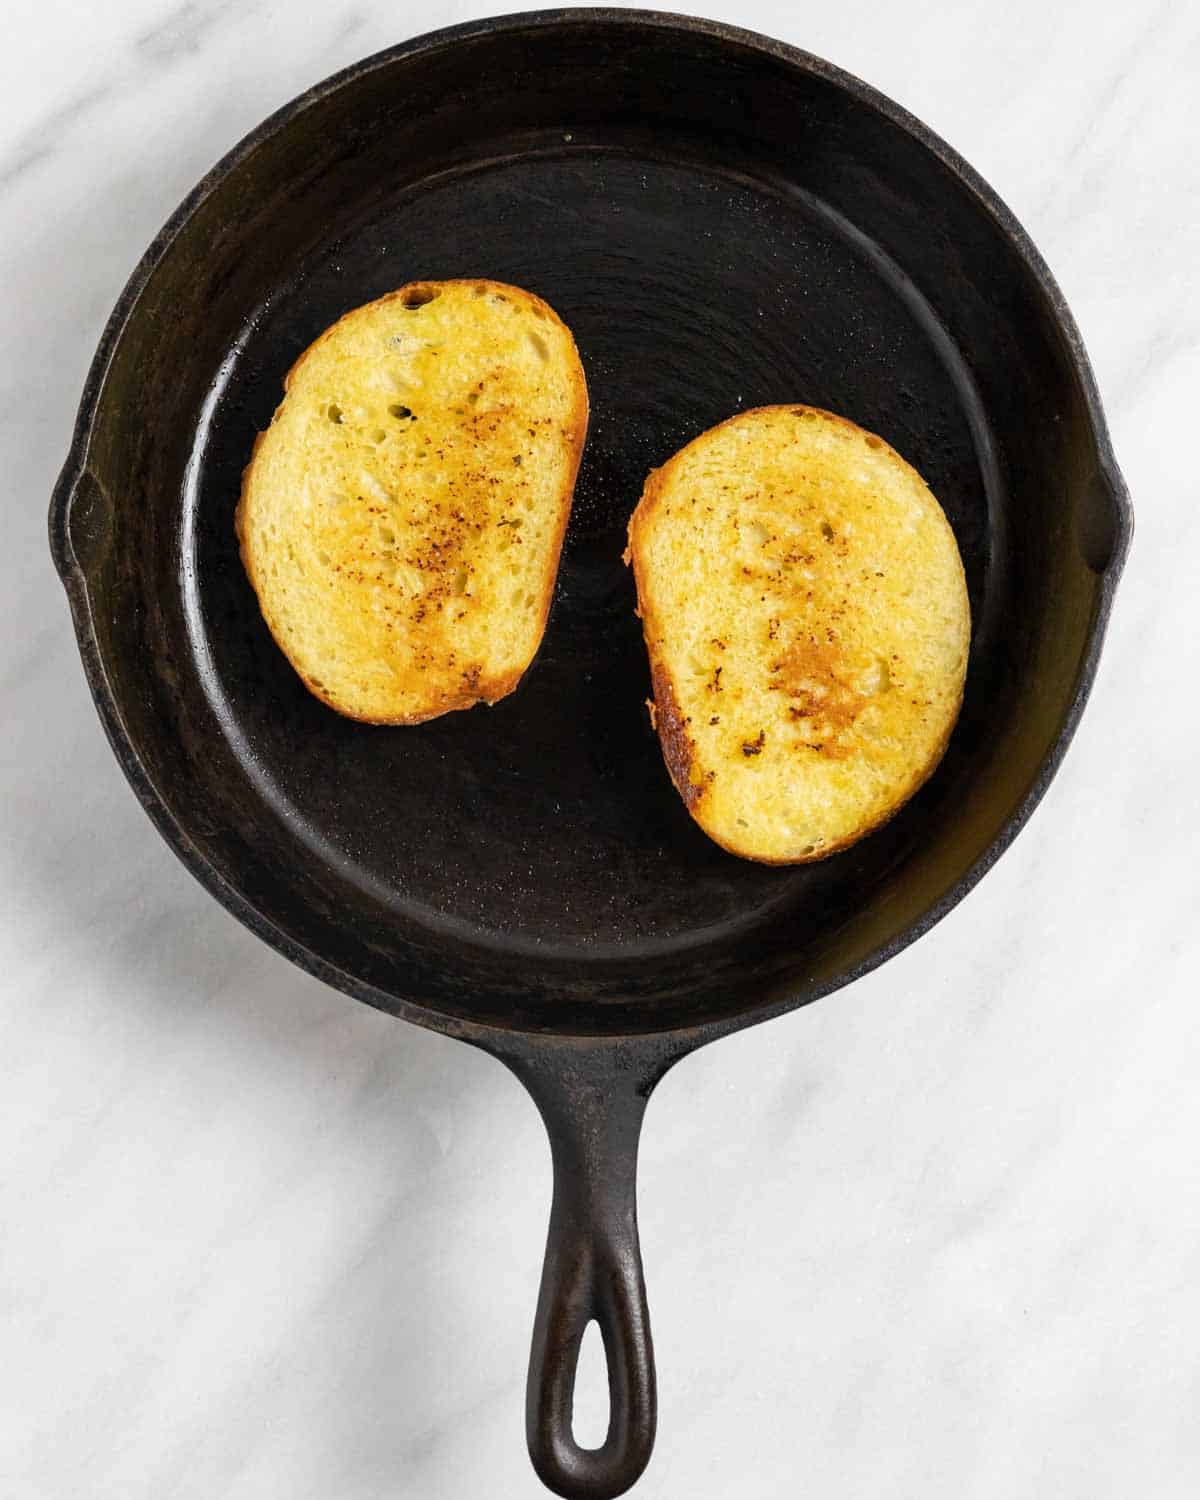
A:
(590, 1404)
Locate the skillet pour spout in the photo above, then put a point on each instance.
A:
(724, 222)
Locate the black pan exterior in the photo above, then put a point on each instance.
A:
(724, 222)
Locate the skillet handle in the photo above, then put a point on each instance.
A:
(592, 1107)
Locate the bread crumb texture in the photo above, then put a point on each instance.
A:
(806, 616)
(401, 519)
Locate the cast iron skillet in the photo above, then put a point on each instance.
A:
(724, 222)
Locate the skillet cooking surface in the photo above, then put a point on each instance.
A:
(723, 223)
(548, 821)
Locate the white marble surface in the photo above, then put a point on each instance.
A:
(937, 1236)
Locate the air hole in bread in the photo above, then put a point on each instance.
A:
(324, 559)
(378, 435)
(540, 346)
(387, 536)
(473, 398)
(872, 441)
(401, 412)
(418, 296)
(827, 531)
(460, 581)
(334, 413)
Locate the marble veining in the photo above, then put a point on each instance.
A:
(44, 138)
(185, 28)
(937, 1235)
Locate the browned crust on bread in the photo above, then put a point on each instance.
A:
(487, 689)
(678, 747)
(674, 755)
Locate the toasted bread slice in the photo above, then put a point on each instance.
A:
(401, 519)
(806, 617)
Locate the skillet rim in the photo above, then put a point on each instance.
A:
(780, 997)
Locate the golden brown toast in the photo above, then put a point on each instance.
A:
(806, 617)
(401, 519)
